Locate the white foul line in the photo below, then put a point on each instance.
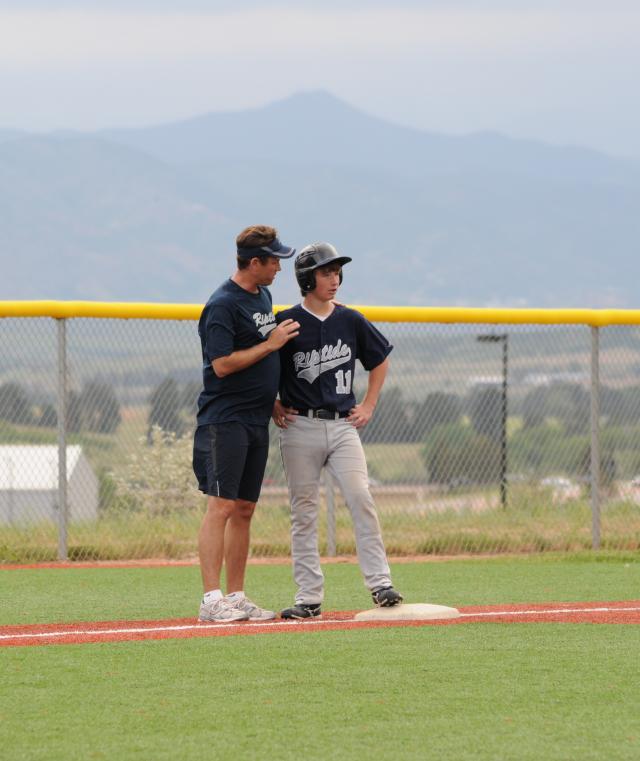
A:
(547, 612)
(263, 624)
(176, 628)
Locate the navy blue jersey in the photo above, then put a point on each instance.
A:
(236, 319)
(317, 367)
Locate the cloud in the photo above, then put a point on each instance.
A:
(558, 69)
(223, 6)
(68, 37)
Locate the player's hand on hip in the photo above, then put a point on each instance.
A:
(282, 415)
(360, 415)
(284, 332)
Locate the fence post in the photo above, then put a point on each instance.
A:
(331, 514)
(503, 429)
(595, 438)
(62, 440)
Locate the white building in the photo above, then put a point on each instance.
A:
(29, 484)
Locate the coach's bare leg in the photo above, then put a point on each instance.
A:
(211, 540)
(236, 544)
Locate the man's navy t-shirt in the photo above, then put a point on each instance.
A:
(235, 319)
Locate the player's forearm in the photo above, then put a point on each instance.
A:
(241, 359)
(375, 383)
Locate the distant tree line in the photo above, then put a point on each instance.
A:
(460, 435)
(171, 406)
(567, 404)
(94, 408)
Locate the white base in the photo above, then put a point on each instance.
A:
(412, 612)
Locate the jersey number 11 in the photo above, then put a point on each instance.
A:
(343, 382)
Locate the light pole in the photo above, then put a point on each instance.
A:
(502, 338)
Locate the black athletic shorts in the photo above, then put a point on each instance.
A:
(229, 459)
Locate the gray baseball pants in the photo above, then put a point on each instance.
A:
(308, 444)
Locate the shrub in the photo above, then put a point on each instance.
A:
(160, 481)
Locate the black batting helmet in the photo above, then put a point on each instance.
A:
(310, 258)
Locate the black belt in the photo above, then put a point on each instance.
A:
(323, 414)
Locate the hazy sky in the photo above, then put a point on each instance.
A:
(563, 71)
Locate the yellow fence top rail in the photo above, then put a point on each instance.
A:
(150, 311)
(113, 309)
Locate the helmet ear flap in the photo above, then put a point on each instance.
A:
(304, 264)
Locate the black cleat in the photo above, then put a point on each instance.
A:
(386, 597)
(300, 610)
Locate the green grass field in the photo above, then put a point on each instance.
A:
(475, 691)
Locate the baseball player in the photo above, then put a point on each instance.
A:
(319, 419)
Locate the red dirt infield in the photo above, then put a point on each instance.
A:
(621, 612)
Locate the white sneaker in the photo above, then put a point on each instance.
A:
(252, 611)
(220, 611)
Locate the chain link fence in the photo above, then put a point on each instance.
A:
(488, 438)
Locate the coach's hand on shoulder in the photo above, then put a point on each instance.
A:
(284, 332)
(282, 415)
(360, 415)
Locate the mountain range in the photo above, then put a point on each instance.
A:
(151, 214)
